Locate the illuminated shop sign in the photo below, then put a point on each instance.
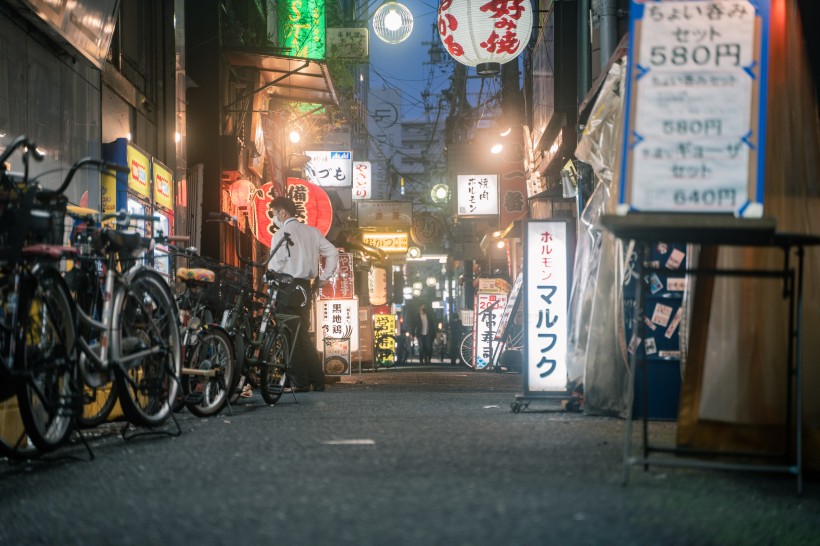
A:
(362, 180)
(389, 242)
(140, 166)
(384, 330)
(545, 305)
(392, 214)
(337, 319)
(302, 28)
(477, 194)
(489, 310)
(329, 168)
(340, 286)
(163, 185)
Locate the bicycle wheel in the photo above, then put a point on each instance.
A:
(146, 349)
(274, 372)
(213, 351)
(466, 351)
(14, 442)
(98, 401)
(48, 387)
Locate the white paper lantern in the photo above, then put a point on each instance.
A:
(485, 33)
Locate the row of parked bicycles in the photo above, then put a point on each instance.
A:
(86, 324)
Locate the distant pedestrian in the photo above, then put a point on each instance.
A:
(423, 330)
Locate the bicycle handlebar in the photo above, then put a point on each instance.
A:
(31, 148)
(99, 163)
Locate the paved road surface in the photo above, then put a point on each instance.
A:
(411, 456)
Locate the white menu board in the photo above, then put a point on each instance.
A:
(696, 107)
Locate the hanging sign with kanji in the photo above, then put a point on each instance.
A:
(362, 180)
(329, 168)
(477, 194)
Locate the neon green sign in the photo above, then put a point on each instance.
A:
(302, 28)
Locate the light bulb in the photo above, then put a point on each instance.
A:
(294, 136)
(496, 149)
(392, 21)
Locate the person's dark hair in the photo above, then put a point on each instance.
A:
(284, 203)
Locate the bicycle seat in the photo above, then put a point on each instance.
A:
(198, 274)
(120, 240)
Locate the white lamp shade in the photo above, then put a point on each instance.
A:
(484, 34)
(392, 22)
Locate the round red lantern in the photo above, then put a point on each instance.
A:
(485, 33)
(312, 202)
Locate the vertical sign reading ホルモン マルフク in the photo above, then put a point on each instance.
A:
(694, 131)
(546, 285)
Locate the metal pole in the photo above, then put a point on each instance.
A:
(609, 29)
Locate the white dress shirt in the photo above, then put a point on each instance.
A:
(302, 259)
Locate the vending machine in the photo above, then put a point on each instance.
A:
(132, 191)
(163, 182)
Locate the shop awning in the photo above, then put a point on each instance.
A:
(288, 78)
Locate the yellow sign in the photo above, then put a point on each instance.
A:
(384, 331)
(139, 164)
(389, 242)
(109, 196)
(163, 186)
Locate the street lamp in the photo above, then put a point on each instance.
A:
(392, 22)
(440, 193)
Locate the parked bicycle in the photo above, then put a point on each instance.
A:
(263, 338)
(209, 363)
(37, 333)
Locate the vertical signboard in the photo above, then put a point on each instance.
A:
(163, 186)
(337, 319)
(362, 180)
(384, 330)
(546, 285)
(301, 31)
(694, 137)
(340, 286)
(488, 311)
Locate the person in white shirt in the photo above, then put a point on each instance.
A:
(301, 260)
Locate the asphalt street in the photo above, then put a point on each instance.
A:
(405, 456)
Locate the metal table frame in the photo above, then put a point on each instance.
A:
(649, 228)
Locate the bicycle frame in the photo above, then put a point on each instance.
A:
(100, 354)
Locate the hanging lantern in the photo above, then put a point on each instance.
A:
(485, 33)
(377, 286)
(312, 205)
(392, 22)
(241, 192)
